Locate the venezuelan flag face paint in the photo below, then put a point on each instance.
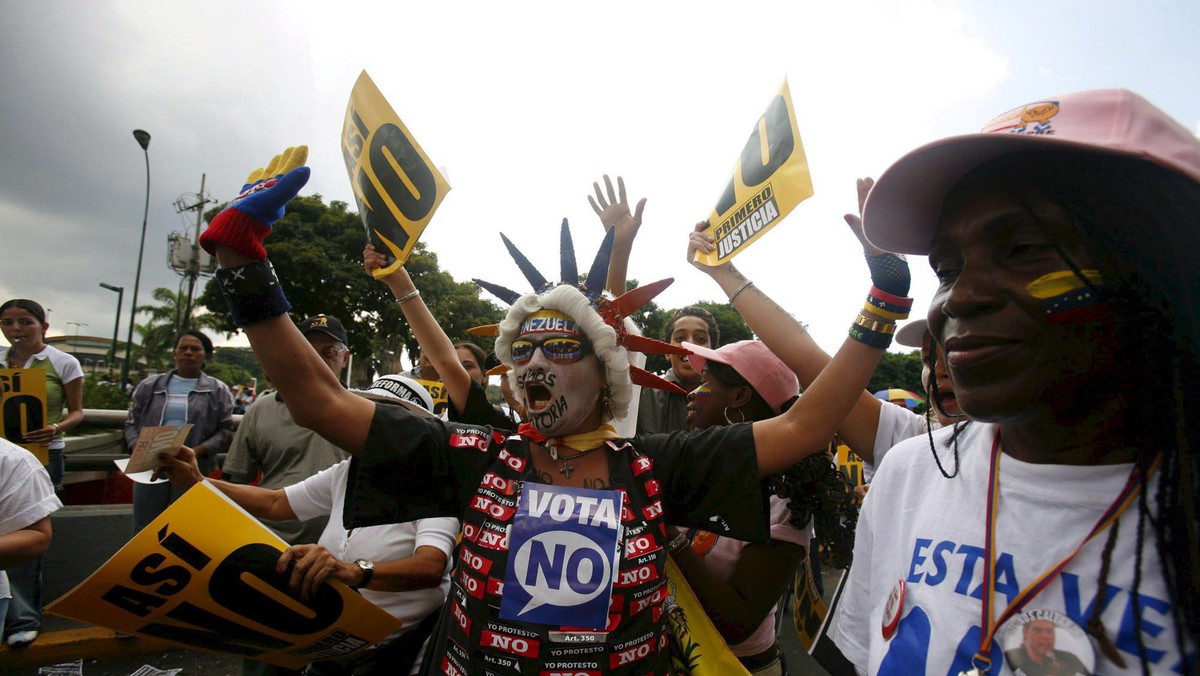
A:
(1066, 298)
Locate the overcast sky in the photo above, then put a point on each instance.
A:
(524, 104)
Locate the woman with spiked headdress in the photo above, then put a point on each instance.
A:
(564, 547)
(1056, 532)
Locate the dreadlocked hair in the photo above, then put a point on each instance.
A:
(930, 359)
(816, 491)
(1142, 225)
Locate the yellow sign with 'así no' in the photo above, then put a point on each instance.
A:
(202, 575)
(23, 406)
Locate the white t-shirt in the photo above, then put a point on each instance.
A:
(896, 424)
(723, 556)
(26, 495)
(324, 493)
(918, 526)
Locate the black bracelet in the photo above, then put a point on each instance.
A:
(870, 338)
(252, 292)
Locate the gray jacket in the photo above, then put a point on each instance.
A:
(209, 410)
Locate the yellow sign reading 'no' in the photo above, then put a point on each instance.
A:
(396, 186)
(202, 575)
(769, 179)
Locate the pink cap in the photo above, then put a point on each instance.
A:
(903, 208)
(769, 376)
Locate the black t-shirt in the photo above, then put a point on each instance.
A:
(414, 468)
(479, 411)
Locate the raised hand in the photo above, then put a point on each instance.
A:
(613, 209)
(864, 186)
(246, 221)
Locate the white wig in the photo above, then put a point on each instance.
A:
(570, 301)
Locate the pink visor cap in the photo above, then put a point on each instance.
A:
(903, 208)
(769, 376)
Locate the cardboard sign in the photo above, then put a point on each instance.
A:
(563, 556)
(769, 179)
(153, 441)
(437, 391)
(23, 403)
(808, 608)
(396, 185)
(202, 576)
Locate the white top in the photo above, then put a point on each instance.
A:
(26, 495)
(918, 526)
(896, 424)
(324, 493)
(723, 557)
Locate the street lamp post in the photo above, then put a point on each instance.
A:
(143, 139)
(112, 352)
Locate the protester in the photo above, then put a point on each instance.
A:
(402, 568)
(573, 375)
(1061, 236)
(183, 395)
(24, 325)
(27, 500)
(739, 584)
(459, 365)
(270, 442)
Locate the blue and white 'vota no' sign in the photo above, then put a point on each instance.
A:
(562, 556)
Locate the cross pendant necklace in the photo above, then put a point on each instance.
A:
(567, 468)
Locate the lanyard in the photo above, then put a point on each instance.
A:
(989, 624)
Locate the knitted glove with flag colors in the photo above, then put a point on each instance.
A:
(245, 223)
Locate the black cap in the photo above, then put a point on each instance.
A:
(327, 324)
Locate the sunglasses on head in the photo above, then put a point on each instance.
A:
(559, 350)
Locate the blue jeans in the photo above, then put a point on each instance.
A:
(56, 468)
(25, 609)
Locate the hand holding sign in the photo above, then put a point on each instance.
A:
(769, 179)
(395, 184)
(311, 566)
(246, 222)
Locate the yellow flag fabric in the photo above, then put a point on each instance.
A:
(808, 608)
(769, 179)
(202, 575)
(697, 648)
(396, 185)
(23, 402)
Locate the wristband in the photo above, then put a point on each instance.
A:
(889, 273)
(252, 292)
(870, 338)
(57, 428)
(407, 297)
(679, 542)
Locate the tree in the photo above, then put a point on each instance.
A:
(898, 370)
(162, 327)
(317, 250)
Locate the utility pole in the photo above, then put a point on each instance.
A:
(197, 261)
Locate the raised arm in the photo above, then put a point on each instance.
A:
(256, 300)
(835, 388)
(614, 213)
(263, 503)
(788, 338)
(434, 342)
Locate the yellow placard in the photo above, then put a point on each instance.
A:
(769, 179)
(436, 390)
(396, 185)
(849, 463)
(202, 575)
(23, 403)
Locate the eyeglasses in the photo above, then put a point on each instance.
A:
(330, 351)
(558, 350)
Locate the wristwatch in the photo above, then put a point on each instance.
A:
(368, 570)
